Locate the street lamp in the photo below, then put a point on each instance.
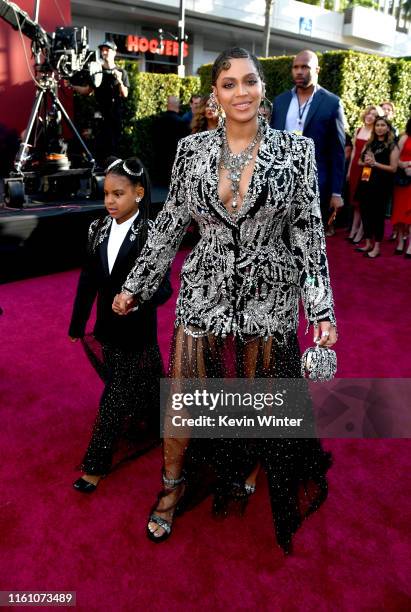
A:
(181, 70)
(181, 39)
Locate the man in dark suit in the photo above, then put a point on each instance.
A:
(168, 130)
(310, 110)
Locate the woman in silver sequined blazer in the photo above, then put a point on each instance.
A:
(249, 270)
(237, 311)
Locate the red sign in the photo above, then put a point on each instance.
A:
(140, 44)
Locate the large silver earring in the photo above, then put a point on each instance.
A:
(263, 115)
(269, 103)
(221, 120)
(212, 103)
(138, 199)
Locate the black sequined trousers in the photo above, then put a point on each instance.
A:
(128, 415)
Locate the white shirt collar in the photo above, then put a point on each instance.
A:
(118, 232)
(126, 224)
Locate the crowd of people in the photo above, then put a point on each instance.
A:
(367, 174)
(379, 182)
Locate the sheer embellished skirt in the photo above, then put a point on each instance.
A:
(295, 468)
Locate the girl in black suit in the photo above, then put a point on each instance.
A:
(130, 348)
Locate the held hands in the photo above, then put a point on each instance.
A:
(325, 334)
(123, 303)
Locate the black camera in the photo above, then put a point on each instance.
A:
(66, 50)
(69, 50)
(41, 160)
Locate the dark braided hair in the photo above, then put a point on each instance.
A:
(135, 172)
(222, 62)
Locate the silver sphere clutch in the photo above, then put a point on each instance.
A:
(319, 364)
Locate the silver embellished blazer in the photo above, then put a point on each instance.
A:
(249, 270)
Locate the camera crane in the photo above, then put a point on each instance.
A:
(61, 54)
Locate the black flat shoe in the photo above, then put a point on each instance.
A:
(83, 486)
(407, 255)
(357, 241)
(363, 250)
(399, 251)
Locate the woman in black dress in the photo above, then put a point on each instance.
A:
(379, 160)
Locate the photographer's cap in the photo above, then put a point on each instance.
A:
(108, 43)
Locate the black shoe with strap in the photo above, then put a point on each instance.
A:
(176, 508)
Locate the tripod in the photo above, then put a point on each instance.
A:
(46, 98)
(42, 131)
(65, 53)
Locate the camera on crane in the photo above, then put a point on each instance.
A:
(41, 163)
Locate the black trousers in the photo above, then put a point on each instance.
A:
(373, 215)
(129, 406)
(108, 137)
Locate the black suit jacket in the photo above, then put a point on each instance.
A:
(169, 128)
(325, 125)
(132, 331)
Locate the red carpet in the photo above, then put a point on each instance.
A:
(352, 555)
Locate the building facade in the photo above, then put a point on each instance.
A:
(213, 25)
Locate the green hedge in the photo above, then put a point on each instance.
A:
(401, 90)
(358, 78)
(147, 98)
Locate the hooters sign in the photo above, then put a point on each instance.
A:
(141, 44)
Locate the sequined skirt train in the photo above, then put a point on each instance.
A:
(295, 468)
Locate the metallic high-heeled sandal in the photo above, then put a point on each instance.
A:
(234, 500)
(170, 484)
(249, 488)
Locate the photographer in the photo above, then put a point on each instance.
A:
(114, 87)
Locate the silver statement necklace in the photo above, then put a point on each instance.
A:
(235, 163)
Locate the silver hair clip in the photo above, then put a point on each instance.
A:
(114, 163)
(130, 172)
